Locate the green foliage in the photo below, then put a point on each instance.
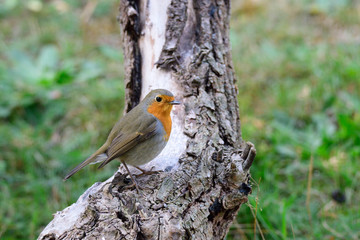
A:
(297, 64)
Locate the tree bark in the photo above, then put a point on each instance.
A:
(181, 45)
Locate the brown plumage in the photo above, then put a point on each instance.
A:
(139, 136)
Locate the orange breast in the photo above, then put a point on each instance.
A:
(162, 112)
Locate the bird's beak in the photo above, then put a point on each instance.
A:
(175, 103)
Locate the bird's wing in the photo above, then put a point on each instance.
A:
(124, 142)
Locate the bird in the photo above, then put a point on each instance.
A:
(139, 136)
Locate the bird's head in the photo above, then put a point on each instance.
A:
(160, 102)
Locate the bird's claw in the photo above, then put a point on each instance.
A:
(145, 172)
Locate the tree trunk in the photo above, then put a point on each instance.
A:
(183, 46)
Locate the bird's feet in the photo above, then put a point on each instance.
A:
(134, 183)
(145, 172)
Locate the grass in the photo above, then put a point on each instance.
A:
(297, 65)
(60, 81)
(299, 88)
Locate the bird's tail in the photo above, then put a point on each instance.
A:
(96, 157)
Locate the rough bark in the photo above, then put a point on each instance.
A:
(198, 194)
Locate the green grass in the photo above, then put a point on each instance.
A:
(299, 96)
(61, 79)
(297, 65)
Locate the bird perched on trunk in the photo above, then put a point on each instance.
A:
(139, 136)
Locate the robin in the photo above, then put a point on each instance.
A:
(139, 136)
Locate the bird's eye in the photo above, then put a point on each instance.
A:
(158, 99)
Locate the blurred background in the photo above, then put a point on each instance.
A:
(298, 70)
